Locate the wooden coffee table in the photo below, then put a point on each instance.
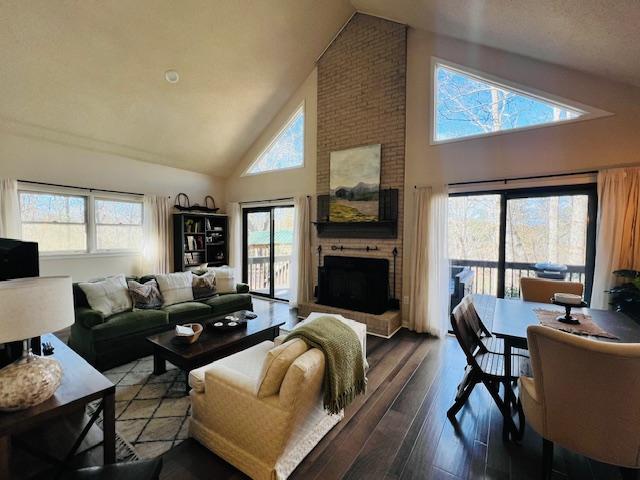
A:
(213, 343)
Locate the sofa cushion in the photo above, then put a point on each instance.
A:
(109, 296)
(275, 366)
(246, 362)
(127, 323)
(225, 279)
(229, 303)
(145, 295)
(175, 287)
(204, 286)
(187, 311)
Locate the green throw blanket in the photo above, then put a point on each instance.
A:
(344, 370)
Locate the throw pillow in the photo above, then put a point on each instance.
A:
(275, 366)
(145, 295)
(225, 280)
(108, 296)
(204, 285)
(175, 287)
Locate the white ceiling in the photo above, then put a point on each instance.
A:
(597, 36)
(94, 69)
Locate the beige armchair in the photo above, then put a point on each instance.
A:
(263, 427)
(585, 396)
(541, 290)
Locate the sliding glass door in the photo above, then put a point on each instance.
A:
(268, 245)
(501, 236)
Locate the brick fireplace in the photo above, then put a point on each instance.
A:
(361, 101)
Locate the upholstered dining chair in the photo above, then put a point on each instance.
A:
(584, 396)
(541, 290)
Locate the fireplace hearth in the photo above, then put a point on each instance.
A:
(354, 283)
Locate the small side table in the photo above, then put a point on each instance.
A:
(81, 384)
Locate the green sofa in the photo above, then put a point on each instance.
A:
(120, 338)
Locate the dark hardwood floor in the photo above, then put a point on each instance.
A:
(399, 429)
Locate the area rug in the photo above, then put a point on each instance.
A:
(152, 411)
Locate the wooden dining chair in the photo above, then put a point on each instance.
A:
(541, 290)
(489, 342)
(584, 396)
(485, 367)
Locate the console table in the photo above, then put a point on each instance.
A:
(81, 384)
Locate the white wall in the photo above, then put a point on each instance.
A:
(285, 183)
(580, 146)
(25, 157)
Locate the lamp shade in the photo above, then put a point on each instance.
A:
(30, 307)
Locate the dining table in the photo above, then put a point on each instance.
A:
(512, 317)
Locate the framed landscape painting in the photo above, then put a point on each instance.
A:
(354, 182)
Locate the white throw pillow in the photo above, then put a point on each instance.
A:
(108, 296)
(175, 287)
(225, 280)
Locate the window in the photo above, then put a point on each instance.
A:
(69, 223)
(286, 150)
(500, 236)
(471, 104)
(118, 225)
(57, 222)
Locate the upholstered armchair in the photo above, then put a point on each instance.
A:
(584, 395)
(261, 409)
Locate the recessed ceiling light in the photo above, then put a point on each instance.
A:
(171, 76)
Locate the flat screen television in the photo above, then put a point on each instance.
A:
(18, 259)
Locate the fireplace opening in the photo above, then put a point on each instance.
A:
(354, 283)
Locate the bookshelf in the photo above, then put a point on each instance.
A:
(200, 238)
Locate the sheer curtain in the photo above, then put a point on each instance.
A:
(301, 279)
(429, 292)
(10, 226)
(156, 239)
(235, 239)
(618, 232)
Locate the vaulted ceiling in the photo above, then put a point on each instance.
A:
(596, 36)
(94, 70)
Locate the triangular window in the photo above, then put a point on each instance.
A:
(286, 150)
(469, 104)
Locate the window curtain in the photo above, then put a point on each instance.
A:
(301, 277)
(10, 226)
(429, 292)
(618, 231)
(235, 239)
(156, 251)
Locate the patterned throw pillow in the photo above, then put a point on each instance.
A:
(204, 285)
(175, 287)
(145, 295)
(225, 281)
(109, 296)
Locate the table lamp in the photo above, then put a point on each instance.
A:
(30, 307)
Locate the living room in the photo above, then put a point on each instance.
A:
(336, 240)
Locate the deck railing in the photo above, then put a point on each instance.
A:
(485, 280)
(258, 272)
